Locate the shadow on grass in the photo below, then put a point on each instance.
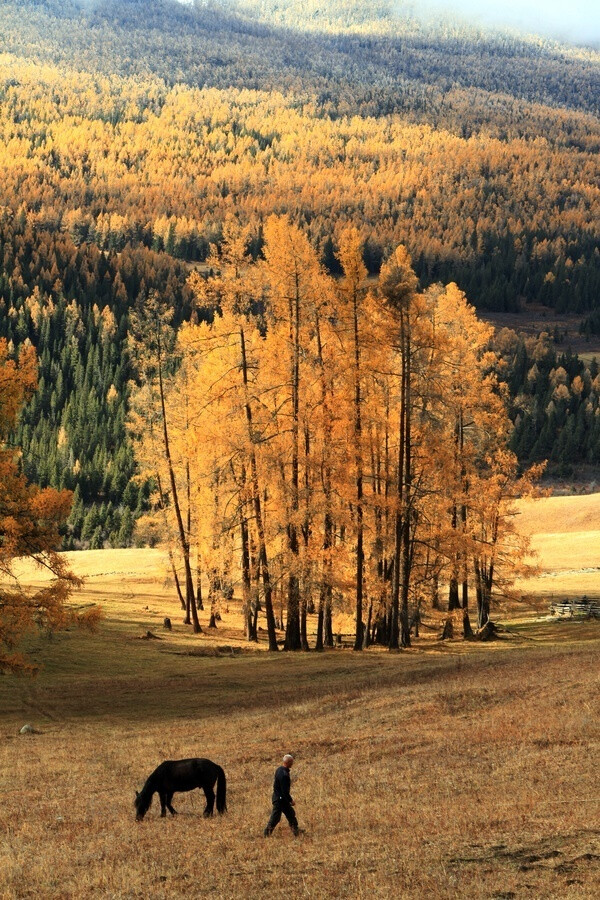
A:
(114, 675)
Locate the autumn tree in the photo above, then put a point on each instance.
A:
(152, 348)
(292, 274)
(474, 411)
(231, 292)
(398, 287)
(352, 290)
(30, 522)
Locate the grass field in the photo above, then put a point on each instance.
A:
(565, 534)
(450, 770)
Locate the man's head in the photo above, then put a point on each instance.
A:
(288, 760)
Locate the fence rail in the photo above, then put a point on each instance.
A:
(582, 609)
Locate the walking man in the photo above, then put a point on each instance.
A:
(282, 800)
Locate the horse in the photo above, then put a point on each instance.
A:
(182, 775)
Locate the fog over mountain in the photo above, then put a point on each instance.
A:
(578, 21)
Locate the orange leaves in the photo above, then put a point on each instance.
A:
(50, 507)
(18, 380)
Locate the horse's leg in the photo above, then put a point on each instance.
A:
(163, 804)
(169, 807)
(210, 800)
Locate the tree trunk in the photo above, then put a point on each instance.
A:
(256, 502)
(303, 625)
(293, 639)
(176, 579)
(185, 547)
(487, 632)
(483, 583)
(407, 504)
(256, 607)
(327, 623)
(463, 518)
(199, 603)
(254, 630)
(453, 598)
(367, 629)
(484, 610)
(358, 462)
(467, 630)
(306, 574)
(448, 632)
(246, 577)
(324, 631)
(320, 622)
(399, 531)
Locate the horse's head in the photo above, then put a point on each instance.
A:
(138, 806)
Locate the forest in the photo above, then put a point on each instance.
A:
(133, 134)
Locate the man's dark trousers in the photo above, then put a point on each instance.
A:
(279, 807)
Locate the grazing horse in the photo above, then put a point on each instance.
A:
(182, 775)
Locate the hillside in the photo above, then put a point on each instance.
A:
(476, 150)
(560, 516)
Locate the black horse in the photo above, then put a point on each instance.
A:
(182, 775)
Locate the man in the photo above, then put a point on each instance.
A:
(282, 800)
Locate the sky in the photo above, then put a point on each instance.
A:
(572, 20)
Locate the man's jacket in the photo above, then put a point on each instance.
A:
(281, 786)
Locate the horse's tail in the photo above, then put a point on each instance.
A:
(221, 791)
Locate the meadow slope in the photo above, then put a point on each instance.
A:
(450, 770)
(565, 536)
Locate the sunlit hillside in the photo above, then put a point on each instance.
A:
(565, 533)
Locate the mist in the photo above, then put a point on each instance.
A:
(577, 21)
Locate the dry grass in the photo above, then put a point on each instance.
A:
(573, 514)
(446, 775)
(445, 771)
(565, 534)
